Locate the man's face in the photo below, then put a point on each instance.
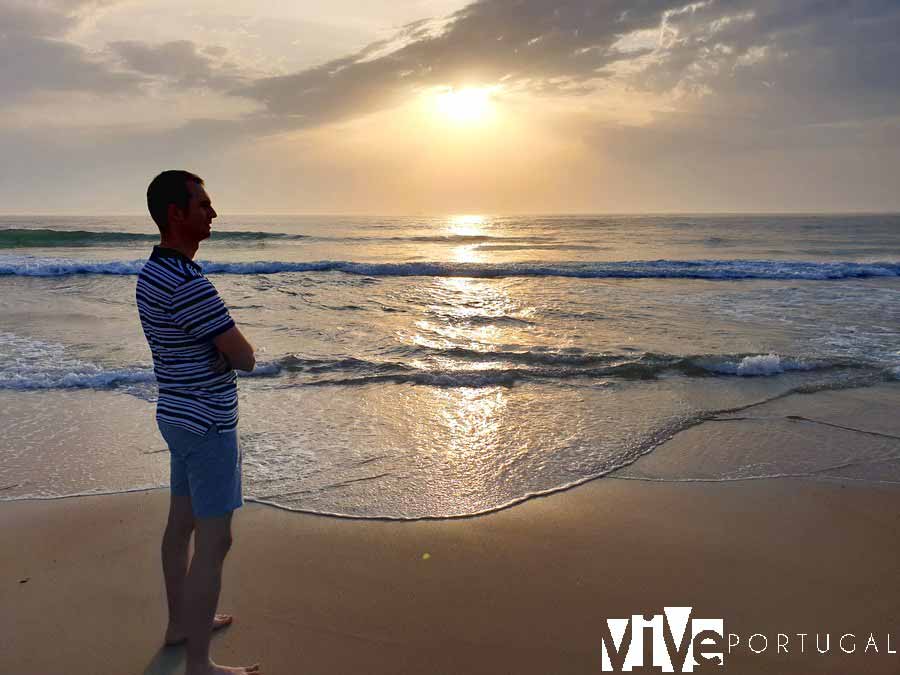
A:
(194, 224)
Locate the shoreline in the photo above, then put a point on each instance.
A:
(481, 514)
(876, 397)
(520, 590)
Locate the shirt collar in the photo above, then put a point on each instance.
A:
(163, 252)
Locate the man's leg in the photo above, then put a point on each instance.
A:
(212, 540)
(176, 546)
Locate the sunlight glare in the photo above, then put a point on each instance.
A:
(464, 105)
(466, 225)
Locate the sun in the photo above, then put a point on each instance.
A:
(464, 105)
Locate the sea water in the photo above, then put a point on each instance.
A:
(433, 367)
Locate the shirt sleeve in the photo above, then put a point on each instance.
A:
(199, 311)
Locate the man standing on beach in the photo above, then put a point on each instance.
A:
(196, 347)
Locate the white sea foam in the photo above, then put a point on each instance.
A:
(27, 363)
(36, 365)
(757, 365)
(91, 376)
(87, 376)
(31, 364)
(645, 269)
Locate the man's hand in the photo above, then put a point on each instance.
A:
(222, 365)
(234, 346)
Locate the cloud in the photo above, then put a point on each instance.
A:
(180, 62)
(30, 18)
(514, 41)
(805, 61)
(671, 105)
(37, 58)
(807, 58)
(39, 64)
(47, 18)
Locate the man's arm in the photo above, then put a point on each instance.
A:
(234, 346)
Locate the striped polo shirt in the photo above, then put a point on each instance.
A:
(181, 313)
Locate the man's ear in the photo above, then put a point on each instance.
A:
(174, 214)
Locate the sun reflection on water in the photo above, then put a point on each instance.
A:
(472, 419)
(467, 225)
(470, 314)
(465, 326)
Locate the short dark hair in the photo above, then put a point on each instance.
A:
(169, 187)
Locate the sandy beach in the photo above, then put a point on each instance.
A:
(530, 337)
(524, 590)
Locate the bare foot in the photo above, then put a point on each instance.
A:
(215, 669)
(175, 635)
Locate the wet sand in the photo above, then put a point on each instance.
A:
(523, 590)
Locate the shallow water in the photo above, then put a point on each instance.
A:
(436, 367)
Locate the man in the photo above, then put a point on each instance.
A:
(195, 346)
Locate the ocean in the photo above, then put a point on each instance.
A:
(438, 367)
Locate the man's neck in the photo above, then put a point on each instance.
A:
(187, 249)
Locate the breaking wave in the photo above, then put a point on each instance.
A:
(471, 369)
(643, 269)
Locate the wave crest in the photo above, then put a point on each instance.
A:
(644, 269)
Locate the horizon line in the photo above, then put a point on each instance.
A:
(534, 214)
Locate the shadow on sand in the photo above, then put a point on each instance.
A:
(167, 661)
(170, 660)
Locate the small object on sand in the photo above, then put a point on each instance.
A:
(24, 581)
(426, 556)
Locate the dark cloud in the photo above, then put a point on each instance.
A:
(29, 18)
(47, 18)
(804, 61)
(811, 59)
(515, 41)
(39, 64)
(36, 58)
(180, 62)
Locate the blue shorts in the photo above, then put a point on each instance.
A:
(207, 468)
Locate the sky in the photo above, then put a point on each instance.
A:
(413, 107)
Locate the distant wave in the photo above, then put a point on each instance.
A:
(12, 238)
(47, 238)
(449, 239)
(472, 369)
(641, 269)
